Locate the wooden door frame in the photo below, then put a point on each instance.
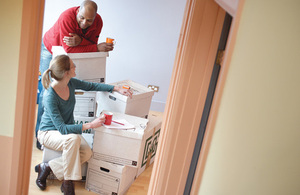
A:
(187, 94)
(236, 11)
(196, 53)
(193, 65)
(29, 55)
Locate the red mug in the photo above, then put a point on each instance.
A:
(108, 117)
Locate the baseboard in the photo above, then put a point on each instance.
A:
(5, 163)
(157, 106)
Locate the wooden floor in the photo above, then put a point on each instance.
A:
(139, 187)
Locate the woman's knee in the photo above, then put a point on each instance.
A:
(86, 152)
(73, 139)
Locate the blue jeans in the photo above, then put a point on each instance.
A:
(45, 59)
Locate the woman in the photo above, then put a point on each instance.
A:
(57, 129)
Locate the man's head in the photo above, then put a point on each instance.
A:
(86, 14)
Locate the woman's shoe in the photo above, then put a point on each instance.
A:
(43, 171)
(38, 145)
(67, 187)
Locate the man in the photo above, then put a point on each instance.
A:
(77, 30)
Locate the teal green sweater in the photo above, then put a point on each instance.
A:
(58, 113)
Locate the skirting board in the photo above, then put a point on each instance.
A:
(157, 106)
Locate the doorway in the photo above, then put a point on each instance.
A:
(208, 102)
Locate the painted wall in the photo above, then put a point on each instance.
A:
(146, 33)
(10, 30)
(255, 148)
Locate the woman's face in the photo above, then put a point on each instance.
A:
(72, 72)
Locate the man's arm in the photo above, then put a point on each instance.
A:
(69, 25)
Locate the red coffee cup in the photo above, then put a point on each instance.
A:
(108, 117)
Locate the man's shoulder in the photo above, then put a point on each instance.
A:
(69, 12)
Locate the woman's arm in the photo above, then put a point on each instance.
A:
(123, 91)
(94, 124)
(88, 86)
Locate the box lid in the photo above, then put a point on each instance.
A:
(58, 50)
(137, 133)
(139, 91)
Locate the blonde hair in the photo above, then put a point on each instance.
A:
(58, 66)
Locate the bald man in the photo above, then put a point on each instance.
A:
(77, 30)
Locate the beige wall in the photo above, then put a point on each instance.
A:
(10, 30)
(255, 148)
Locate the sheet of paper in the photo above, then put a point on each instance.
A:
(114, 125)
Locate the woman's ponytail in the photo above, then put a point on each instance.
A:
(58, 66)
(46, 79)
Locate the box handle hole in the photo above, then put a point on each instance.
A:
(104, 169)
(112, 98)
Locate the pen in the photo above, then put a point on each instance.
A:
(117, 122)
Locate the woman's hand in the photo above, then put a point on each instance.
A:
(126, 92)
(98, 122)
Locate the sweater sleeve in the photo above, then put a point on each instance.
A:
(89, 86)
(66, 27)
(51, 105)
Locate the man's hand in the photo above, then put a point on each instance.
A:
(104, 47)
(73, 40)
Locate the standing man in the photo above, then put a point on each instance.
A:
(77, 30)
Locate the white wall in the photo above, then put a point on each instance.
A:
(255, 147)
(146, 33)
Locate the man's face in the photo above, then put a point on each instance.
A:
(85, 18)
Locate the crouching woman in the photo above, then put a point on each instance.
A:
(57, 129)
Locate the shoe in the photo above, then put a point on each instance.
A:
(67, 187)
(43, 171)
(38, 145)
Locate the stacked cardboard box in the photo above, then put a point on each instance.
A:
(85, 107)
(138, 105)
(90, 66)
(108, 178)
(131, 149)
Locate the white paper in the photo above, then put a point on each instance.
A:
(126, 125)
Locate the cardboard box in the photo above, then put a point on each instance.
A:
(138, 105)
(108, 178)
(148, 150)
(133, 147)
(83, 120)
(90, 66)
(85, 103)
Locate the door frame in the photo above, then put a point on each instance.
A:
(29, 57)
(193, 65)
(198, 45)
(187, 93)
